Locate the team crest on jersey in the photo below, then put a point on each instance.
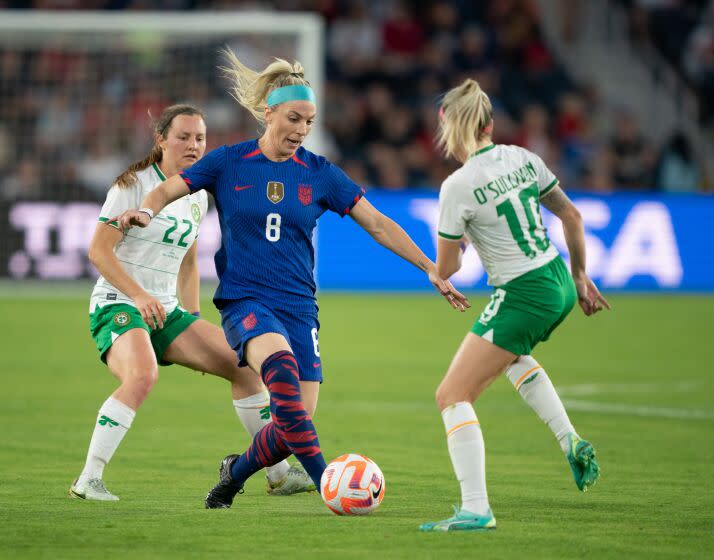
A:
(249, 321)
(276, 191)
(196, 212)
(305, 194)
(121, 319)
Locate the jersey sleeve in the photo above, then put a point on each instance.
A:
(452, 223)
(203, 206)
(342, 192)
(546, 179)
(119, 200)
(204, 173)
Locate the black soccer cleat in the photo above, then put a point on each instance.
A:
(222, 494)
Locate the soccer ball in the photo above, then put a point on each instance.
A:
(352, 484)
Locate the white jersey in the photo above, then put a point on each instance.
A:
(151, 255)
(493, 199)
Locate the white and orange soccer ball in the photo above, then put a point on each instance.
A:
(352, 484)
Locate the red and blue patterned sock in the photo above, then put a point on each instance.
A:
(291, 430)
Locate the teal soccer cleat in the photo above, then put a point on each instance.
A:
(581, 456)
(462, 521)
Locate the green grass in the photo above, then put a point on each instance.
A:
(383, 357)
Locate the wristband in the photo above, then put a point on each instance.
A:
(148, 211)
(196, 314)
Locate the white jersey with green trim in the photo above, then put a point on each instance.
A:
(152, 255)
(493, 199)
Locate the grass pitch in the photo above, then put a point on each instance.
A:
(638, 383)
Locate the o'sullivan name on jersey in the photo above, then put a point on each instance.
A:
(508, 182)
(494, 200)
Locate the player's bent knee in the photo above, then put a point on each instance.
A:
(446, 396)
(281, 367)
(227, 369)
(247, 381)
(142, 380)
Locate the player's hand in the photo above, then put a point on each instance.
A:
(456, 299)
(589, 297)
(152, 312)
(130, 218)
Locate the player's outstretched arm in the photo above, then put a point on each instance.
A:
(102, 256)
(188, 281)
(589, 297)
(389, 234)
(172, 189)
(448, 256)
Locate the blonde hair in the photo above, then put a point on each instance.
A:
(161, 128)
(465, 111)
(251, 88)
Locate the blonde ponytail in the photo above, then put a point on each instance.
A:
(465, 111)
(251, 88)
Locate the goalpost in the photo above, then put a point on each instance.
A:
(75, 92)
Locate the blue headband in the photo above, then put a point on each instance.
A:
(291, 93)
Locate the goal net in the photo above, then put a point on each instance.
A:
(76, 93)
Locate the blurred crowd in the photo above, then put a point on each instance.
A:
(682, 31)
(70, 121)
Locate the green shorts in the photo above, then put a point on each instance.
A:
(108, 322)
(524, 311)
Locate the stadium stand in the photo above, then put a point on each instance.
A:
(387, 61)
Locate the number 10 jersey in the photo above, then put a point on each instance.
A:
(151, 256)
(493, 199)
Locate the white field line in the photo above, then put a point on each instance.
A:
(585, 389)
(576, 404)
(638, 410)
(589, 389)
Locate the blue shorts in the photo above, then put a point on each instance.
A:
(244, 319)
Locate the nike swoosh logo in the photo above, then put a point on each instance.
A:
(242, 188)
(375, 493)
(316, 364)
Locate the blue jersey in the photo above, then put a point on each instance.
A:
(267, 212)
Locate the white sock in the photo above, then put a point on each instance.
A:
(113, 421)
(534, 385)
(254, 413)
(468, 455)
